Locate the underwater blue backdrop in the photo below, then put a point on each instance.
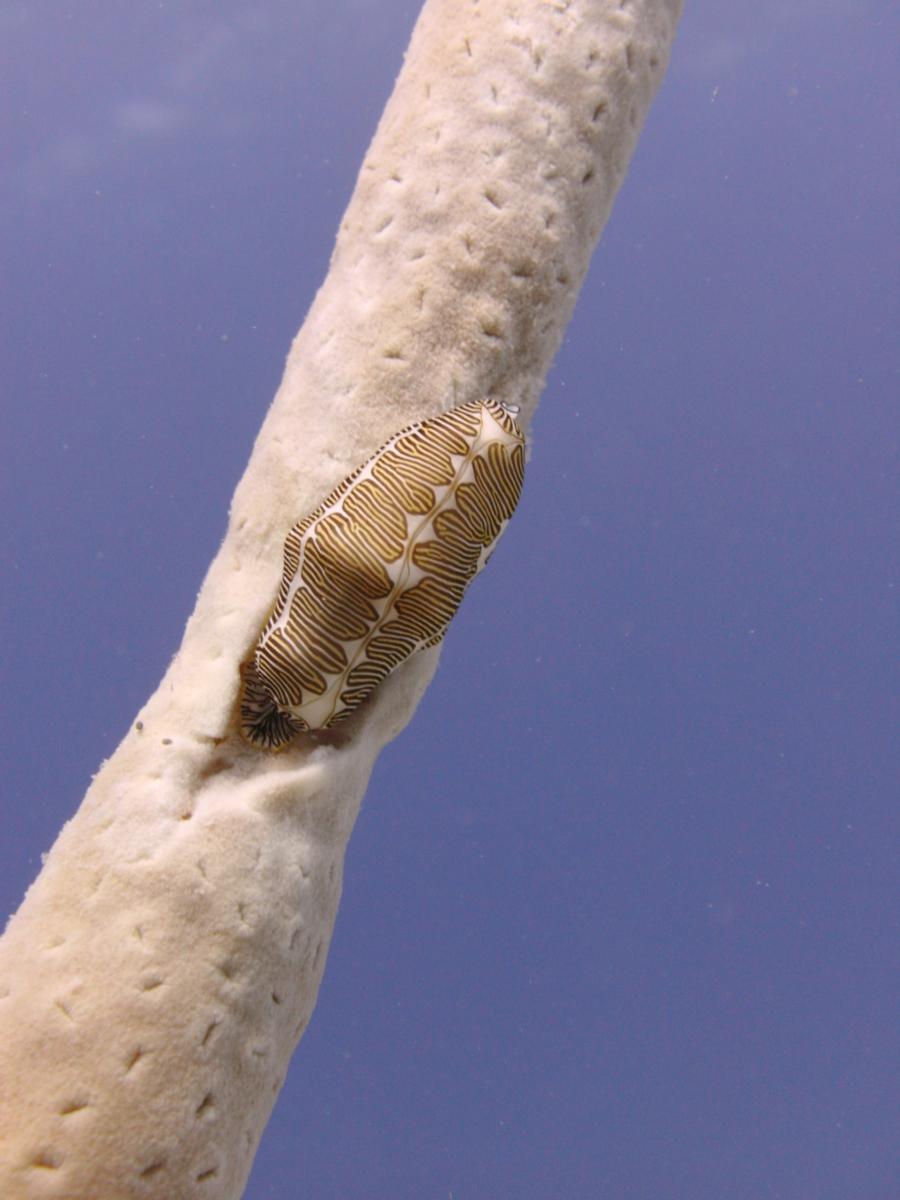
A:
(620, 911)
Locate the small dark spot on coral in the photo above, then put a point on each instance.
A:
(210, 1030)
(588, 175)
(227, 968)
(139, 726)
(491, 329)
(599, 110)
(186, 816)
(206, 1106)
(629, 56)
(393, 352)
(74, 1106)
(64, 1009)
(276, 999)
(654, 62)
(47, 1160)
(384, 223)
(209, 1173)
(523, 271)
(150, 982)
(153, 1169)
(167, 741)
(138, 932)
(133, 1059)
(492, 198)
(468, 46)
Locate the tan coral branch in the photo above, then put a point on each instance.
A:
(167, 958)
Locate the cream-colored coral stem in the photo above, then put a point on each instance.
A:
(166, 960)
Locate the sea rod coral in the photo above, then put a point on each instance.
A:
(165, 962)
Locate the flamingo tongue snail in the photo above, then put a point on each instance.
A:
(378, 570)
